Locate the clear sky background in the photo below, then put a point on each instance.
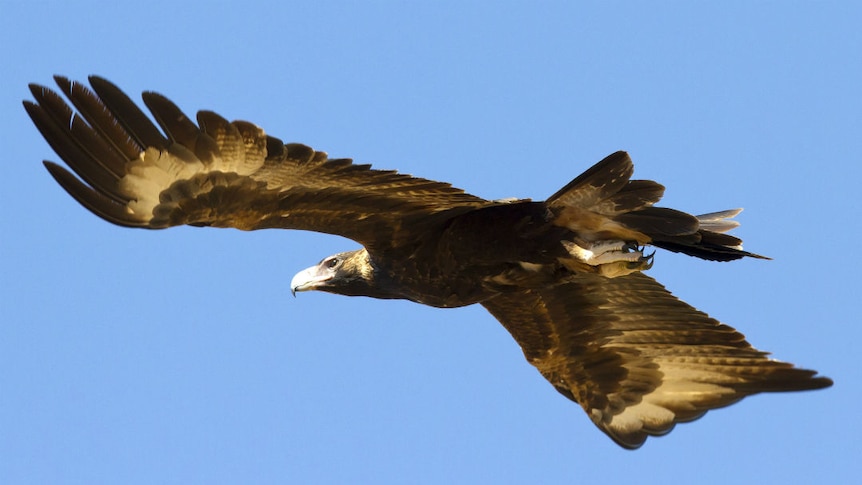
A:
(178, 356)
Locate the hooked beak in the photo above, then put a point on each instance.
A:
(309, 279)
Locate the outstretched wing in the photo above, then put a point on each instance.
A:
(220, 173)
(636, 358)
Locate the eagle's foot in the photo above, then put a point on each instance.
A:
(622, 268)
(604, 252)
(611, 258)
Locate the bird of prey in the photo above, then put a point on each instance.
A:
(565, 276)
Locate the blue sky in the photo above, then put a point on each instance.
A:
(178, 356)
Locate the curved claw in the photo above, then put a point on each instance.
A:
(647, 261)
(631, 246)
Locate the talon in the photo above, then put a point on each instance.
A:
(604, 252)
(631, 246)
(647, 261)
(611, 258)
(626, 267)
(643, 263)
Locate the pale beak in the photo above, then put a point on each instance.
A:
(308, 279)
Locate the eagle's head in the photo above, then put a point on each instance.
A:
(349, 273)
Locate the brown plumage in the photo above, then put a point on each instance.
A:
(564, 275)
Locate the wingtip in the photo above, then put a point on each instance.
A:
(62, 81)
(92, 200)
(39, 92)
(29, 107)
(98, 82)
(35, 88)
(821, 382)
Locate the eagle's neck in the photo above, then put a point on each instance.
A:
(360, 275)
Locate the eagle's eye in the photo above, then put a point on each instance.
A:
(331, 262)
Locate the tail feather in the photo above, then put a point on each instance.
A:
(659, 221)
(719, 221)
(710, 241)
(603, 203)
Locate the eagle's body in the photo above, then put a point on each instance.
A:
(563, 275)
(455, 253)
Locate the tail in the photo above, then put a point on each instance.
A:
(604, 204)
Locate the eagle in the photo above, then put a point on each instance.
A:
(565, 276)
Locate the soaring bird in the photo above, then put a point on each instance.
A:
(565, 276)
